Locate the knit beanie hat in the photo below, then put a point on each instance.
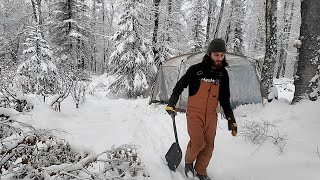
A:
(216, 45)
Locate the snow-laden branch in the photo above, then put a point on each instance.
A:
(39, 154)
(8, 112)
(55, 169)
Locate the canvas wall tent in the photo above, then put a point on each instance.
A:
(244, 83)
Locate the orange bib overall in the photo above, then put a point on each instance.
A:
(202, 125)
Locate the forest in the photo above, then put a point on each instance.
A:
(45, 43)
(52, 49)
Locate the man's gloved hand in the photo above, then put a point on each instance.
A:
(171, 110)
(232, 126)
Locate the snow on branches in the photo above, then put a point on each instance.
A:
(30, 153)
(10, 102)
(37, 74)
(132, 60)
(24, 151)
(37, 154)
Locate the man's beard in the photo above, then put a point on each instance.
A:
(217, 65)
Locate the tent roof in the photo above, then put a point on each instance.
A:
(190, 59)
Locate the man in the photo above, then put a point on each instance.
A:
(208, 83)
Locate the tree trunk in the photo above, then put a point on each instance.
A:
(271, 49)
(104, 61)
(260, 38)
(155, 30)
(37, 14)
(209, 20)
(169, 6)
(34, 8)
(216, 32)
(14, 49)
(228, 30)
(94, 43)
(309, 51)
(40, 20)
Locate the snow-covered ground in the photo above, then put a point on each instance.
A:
(100, 123)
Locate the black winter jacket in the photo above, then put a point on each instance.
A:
(193, 76)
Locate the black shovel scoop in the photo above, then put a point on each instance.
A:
(174, 155)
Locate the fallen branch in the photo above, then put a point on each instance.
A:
(55, 169)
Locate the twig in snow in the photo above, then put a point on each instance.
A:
(259, 132)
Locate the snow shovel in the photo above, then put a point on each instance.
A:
(174, 154)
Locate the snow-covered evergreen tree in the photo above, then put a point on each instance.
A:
(70, 32)
(37, 72)
(198, 30)
(132, 61)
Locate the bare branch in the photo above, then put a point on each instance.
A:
(259, 132)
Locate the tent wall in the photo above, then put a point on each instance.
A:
(244, 83)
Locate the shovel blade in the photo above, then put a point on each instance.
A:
(174, 156)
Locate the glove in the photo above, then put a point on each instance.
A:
(232, 126)
(171, 110)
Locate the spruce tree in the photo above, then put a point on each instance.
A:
(132, 61)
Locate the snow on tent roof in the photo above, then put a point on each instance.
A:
(244, 83)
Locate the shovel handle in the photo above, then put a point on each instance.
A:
(174, 127)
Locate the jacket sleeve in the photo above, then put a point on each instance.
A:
(224, 96)
(183, 82)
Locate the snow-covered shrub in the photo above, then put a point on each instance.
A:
(92, 89)
(63, 92)
(12, 100)
(79, 92)
(259, 132)
(119, 163)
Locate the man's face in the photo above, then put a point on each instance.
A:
(217, 58)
